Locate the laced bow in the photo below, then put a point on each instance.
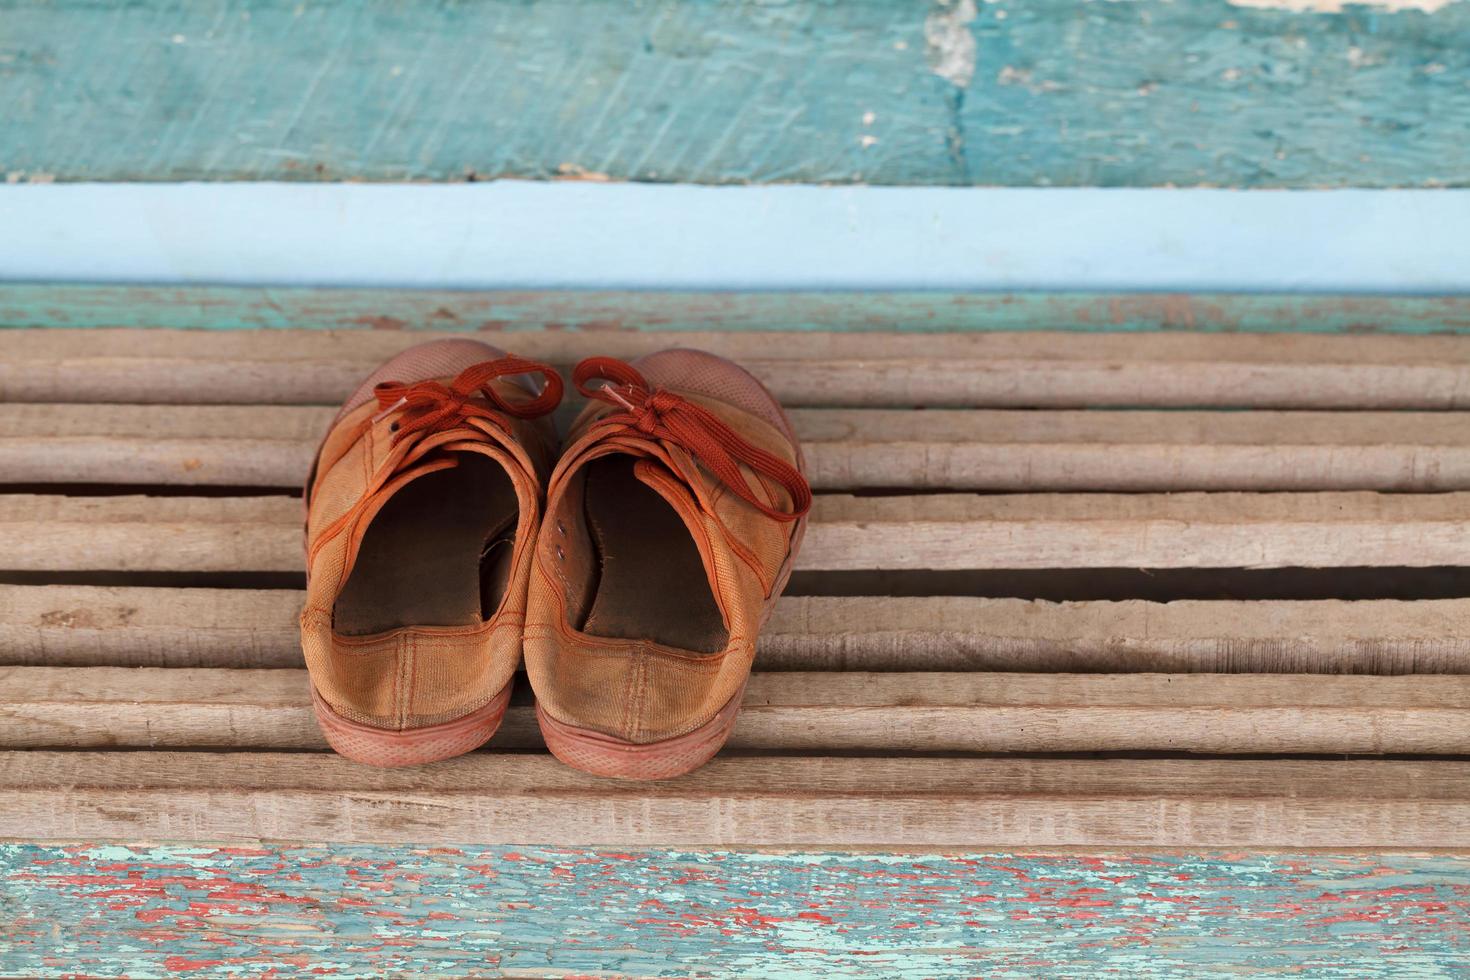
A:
(661, 414)
(430, 406)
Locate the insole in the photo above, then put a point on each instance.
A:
(652, 583)
(437, 554)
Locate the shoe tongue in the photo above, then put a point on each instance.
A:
(442, 459)
(671, 487)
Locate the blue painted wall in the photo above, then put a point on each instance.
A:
(565, 235)
(1235, 93)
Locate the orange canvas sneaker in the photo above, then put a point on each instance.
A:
(673, 519)
(422, 514)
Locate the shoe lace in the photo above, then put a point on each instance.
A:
(430, 406)
(661, 414)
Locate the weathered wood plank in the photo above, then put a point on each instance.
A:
(290, 344)
(750, 802)
(1205, 93)
(272, 446)
(461, 911)
(137, 533)
(1002, 370)
(86, 626)
(1138, 530)
(247, 307)
(89, 626)
(895, 713)
(66, 625)
(940, 531)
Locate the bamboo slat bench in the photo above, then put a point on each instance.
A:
(1103, 591)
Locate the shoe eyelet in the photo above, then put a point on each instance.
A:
(560, 555)
(393, 427)
(561, 529)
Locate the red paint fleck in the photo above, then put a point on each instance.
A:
(179, 964)
(380, 322)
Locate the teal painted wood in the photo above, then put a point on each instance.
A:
(1239, 93)
(229, 308)
(356, 911)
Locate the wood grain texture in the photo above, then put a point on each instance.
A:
(342, 910)
(1050, 94)
(64, 625)
(894, 713)
(939, 531)
(749, 802)
(600, 312)
(272, 446)
(965, 370)
(454, 882)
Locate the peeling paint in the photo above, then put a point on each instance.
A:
(355, 911)
(950, 42)
(1336, 6)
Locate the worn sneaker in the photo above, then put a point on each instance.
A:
(673, 519)
(422, 513)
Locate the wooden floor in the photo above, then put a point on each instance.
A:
(979, 648)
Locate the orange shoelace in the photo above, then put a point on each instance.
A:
(661, 414)
(430, 406)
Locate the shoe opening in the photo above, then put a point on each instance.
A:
(438, 553)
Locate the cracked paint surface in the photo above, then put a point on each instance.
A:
(951, 44)
(349, 911)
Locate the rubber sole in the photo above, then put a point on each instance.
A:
(411, 747)
(603, 755)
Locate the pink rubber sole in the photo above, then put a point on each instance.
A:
(416, 746)
(604, 755)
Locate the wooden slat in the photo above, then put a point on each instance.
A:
(272, 446)
(942, 531)
(63, 625)
(750, 802)
(675, 312)
(178, 708)
(280, 345)
(54, 533)
(1032, 369)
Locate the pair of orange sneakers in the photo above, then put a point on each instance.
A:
(448, 540)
